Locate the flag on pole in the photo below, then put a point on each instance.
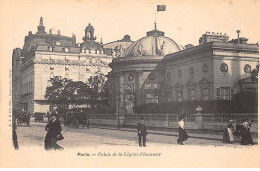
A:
(161, 8)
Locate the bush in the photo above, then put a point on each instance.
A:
(244, 102)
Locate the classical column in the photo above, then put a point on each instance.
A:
(138, 82)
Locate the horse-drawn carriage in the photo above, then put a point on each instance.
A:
(76, 118)
(23, 117)
(39, 117)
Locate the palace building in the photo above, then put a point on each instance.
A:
(155, 69)
(45, 55)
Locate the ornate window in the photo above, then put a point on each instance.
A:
(223, 93)
(205, 93)
(224, 67)
(247, 68)
(192, 94)
(152, 93)
(179, 96)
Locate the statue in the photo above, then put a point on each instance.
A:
(140, 49)
(163, 48)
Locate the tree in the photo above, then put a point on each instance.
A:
(74, 94)
(99, 93)
(254, 74)
(53, 93)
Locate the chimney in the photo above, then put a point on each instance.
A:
(238, 39)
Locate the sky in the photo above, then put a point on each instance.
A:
(183, 21)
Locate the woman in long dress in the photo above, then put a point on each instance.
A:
(246, 135)
(183, 136)
(228, 133)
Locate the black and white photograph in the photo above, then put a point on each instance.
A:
(129, 84)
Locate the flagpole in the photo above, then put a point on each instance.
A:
(155, 20)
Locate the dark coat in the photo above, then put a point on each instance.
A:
(246, 137)
(183, 136)
(141, 127)
(54, 129)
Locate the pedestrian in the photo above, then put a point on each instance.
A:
(15, 142)
(142, 133)
(228, 133)
(246, 135)
(53, 134)
(183, 136)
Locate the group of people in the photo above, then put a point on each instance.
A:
(246, 135)
(53, 135)
(142, 133)
(183, 136)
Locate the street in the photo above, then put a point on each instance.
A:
(94, 137)
(97, 147)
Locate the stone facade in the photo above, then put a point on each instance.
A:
(210, 71)
(46, 55)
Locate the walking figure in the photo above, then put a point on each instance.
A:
(142, 133)
(53, 134)
(246, 135)
(228, 133)
(183, 136)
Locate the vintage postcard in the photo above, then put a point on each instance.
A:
(129, 84)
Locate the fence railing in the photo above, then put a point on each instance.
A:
(253, 117)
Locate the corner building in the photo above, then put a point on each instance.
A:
(45, 55)
(155, 69)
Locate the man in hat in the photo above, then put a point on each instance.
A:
(54, 131)
(141, 132)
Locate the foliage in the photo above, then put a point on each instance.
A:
(254, 74)
(244, 102)
(92, 94)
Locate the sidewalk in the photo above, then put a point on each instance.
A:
(216, 137)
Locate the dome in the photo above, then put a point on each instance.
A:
(155, 43)
(90, 46)
(89, 27)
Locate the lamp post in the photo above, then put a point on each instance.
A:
(198, 119)
(198, 109)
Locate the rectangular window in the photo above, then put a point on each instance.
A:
(66, 50)
(205, 94)
(225, 93)
(191, 94)
(151, 98)
(218, 93)
(179, 96)
(50, 49)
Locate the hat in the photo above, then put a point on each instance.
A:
(54, 114)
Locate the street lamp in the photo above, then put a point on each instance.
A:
(198, 119)
(198, 109)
